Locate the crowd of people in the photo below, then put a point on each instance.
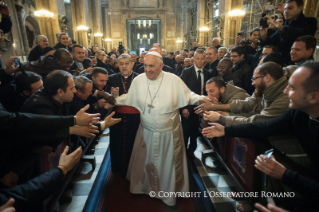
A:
(266, 85)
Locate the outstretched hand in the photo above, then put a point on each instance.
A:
(211, 116)
(270, 208)
(84, 119)
(108, 98)
(204, 100)
(85, 131)
(67, 162)
(8, 207)
(203, 107)
(216, 130)
(109, 121)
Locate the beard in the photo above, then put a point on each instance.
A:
(259, 91)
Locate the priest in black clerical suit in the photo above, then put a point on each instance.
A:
(122, 135)
(195, 78)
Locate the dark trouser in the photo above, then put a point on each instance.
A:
(190, 131)
(122, 136)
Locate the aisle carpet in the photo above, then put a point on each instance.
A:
(111, 193)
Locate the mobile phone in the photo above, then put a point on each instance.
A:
(268, 153)
(17, 62)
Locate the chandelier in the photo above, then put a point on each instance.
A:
(82, 28)
(43, 14)
(98, 35)
(236, 13)
(144, 23)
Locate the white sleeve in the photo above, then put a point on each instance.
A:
(121, 100)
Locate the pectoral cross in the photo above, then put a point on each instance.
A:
(150, 107)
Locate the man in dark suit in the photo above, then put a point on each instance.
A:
(78, 54)
(195, 78)
(178, 65)
(212, 61)
(239, 64)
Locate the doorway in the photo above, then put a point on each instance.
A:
(142, 33)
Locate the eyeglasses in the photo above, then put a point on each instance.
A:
(221, 68)
(254, 78)
(234, 55)
(66, 63)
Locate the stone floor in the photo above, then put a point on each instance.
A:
(214, 178)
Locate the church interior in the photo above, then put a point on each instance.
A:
(224, 125)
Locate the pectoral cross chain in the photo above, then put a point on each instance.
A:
(150, 107)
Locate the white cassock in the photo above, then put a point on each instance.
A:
(158, 161)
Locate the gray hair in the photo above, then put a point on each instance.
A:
(123, 56)
(223, 48)
(80, 82)
(99, 52)
(39, 37)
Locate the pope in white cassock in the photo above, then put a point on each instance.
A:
(158, 161)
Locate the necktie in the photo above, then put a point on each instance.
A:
(199, 83)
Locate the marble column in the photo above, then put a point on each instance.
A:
(97, 26)
(22, 27)
(107, 29)
(201, 22)
(80, 16)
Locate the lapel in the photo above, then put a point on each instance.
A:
(193, 73)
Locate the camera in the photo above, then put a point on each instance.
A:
(17, 62)
(245, 42)
(121, 48)
(268, 153)
(263, 22)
